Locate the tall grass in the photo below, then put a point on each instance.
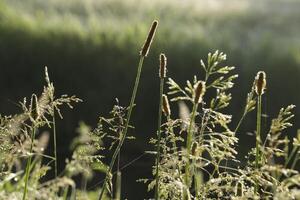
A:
(144, 52)
(162, 76)
(192, 150)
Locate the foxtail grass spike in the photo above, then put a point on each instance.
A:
(260, 86)
(166, 106)
(162, 66)
(145, 49)
(199, 91)
(260, 83)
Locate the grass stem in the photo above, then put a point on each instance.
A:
(161, 91)
(28, 164)
(131, 105)
(258, 132)
(54, 143)
(258, 137)
(189, 145)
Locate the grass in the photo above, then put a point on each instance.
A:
(162, 75)
(192, 150)
(191, 153)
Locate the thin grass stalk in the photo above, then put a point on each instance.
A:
(258, 137)
(118, 180)
(161, 91)
(143, 53)
(294, 150)
(27, 171)
(118, 185)
(240, 121)
(54, 143)
(65, 195)
(236, 129)
(126, 127)
(258, 132)
(189, 144)
(296, 159)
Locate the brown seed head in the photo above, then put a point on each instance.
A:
(34, 107)
(199, 91)
(145, 49)
(260, 83)
(165, 106)
(162, 66)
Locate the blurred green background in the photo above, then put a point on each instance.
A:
(91, 49)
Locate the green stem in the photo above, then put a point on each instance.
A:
(54, 143)
(291, 156)
(240, 122)
(118, 183)
(189, 145)
(258, 130)
(159, 137)
(295, 160)
(107, 177)
(258, 137)
(28, 164)
(65, 195)
(118, 180)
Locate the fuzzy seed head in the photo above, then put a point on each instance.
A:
(162, 66)
(166, 106)
(260, 83)
(145, 49)
(34, 107)
(199, 90)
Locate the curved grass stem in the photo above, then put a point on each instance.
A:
(159, 137)
(123, 136)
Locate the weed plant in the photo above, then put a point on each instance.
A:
(196, 155)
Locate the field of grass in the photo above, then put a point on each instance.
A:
(91, 47)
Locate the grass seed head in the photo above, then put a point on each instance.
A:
(260, 83)
(145, 49)
(162, 66)
(199, 91)
(34, 107)
(166, 106)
